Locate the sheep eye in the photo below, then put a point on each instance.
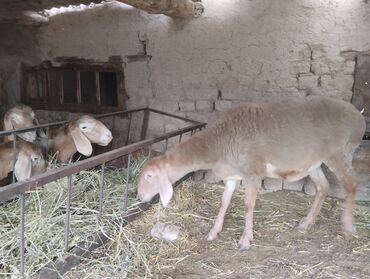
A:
(83, 127)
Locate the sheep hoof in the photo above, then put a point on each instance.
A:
(244, 245)
(245, 242)
(212, 236)
(348, 226)
(305, 225)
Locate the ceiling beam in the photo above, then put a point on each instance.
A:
(20, 11)
(172, 8)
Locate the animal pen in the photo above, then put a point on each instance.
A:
(68, 255)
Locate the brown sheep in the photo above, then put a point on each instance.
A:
(287, 139)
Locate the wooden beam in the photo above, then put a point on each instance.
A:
(172, 8)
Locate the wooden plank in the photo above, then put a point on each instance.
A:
(174, 8)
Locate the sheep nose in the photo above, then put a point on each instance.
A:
(106, 137)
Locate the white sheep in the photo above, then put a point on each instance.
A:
(19, 117)
(286, 139)
(29, 159)
(77, 136)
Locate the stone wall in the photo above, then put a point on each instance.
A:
(236, 51)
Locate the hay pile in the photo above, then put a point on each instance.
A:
(45, 216)
(279, 249)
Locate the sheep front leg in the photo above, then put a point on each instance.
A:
(322, 188)
(226, 198)
(250, 201)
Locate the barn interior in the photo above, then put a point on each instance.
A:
(195, 60)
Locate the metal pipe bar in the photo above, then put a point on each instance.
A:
(59, 123)
(19, 131)
(116, 113)
(11, 191)
(180, 138)
(129, 128)
(150, 151)
(101, 191)
(68, 214)
(166, 145)
(174, 116)
(84, 248)
(127, 181)
(144, 126)
(14, 156)
(21, 234)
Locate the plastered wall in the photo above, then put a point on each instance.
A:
(238, 50)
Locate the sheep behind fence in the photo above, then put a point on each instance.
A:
(99, 164)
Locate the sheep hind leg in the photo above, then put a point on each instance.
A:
(322, 188)
(342, 168)
(226, 198)
(250, 201)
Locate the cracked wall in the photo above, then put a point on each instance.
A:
(236, 51)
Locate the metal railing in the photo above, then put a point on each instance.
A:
(18, 189)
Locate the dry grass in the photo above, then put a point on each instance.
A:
(45, 217)
(278, 251)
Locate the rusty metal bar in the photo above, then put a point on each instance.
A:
(150, 151)
(10, 191)
(144, 126)
(59, 123)
(101, 191)
(83, 249)
(129, 128)
(117, 113)
(14, 156)
(166, 145)
(5, 133)
(174, 116)
(68, 214)
(127, 181)
(21, 234)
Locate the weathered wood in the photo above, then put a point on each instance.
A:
(16, 9)
(174, 8)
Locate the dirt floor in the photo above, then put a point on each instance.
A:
(279, 250)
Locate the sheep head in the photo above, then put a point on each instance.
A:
(154, 180)
(87, 130)
(19, 117)
(30, 161)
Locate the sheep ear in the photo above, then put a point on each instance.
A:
(82, 143)
(23, 166)
(165, 190)
(8, 125)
